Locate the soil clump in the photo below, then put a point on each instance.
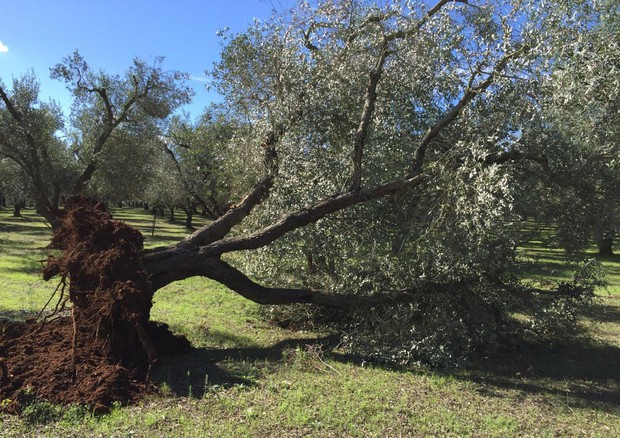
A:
(97, 346)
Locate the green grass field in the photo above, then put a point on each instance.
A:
(247, 378)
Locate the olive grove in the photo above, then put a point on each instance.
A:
(387, 154)
(110, 115)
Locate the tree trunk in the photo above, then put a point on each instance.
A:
(605, 245)
(172, 218)
(311, 263)
(189, 216)
(159, 211)
(56, 197)
(47, 210)
(17, 210)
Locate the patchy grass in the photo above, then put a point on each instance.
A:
(22, 249)
(542, 261)
(247, 378)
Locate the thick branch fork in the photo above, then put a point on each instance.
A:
(200, 253)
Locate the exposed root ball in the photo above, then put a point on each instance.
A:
(102, 352)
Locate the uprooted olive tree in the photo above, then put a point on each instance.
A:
(388, 155)
(390, 158)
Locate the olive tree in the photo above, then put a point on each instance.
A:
(388, 146)
(105, 109)
(14, 185)
(386, 150)
(197, 155)
(125, 167)
(28, 138)
(583, 104)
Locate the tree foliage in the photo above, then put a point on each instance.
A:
(108, 111)
(376, 159)
(448, 103)
(581, 103)
(28, 138)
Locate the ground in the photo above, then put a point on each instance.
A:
(244, 377)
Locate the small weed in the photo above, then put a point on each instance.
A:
(165, 390)
(75, 414)
(41, 412)
(501, 425)
(309, 358)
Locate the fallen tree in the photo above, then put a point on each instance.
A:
(386, 154)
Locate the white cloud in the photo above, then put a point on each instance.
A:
(198, 78)
(3, 48)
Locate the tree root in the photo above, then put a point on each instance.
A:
(4, 371)
(146, 341)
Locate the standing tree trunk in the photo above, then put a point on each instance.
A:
(605, 245)
(17, 210)
(189, 216)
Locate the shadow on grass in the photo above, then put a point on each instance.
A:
(579, 373)
(15, 315)
(549, 266)
(612, 265)
(191, 374)
(602, 313)
(614, 258)
(543, 260)
(25, 228)
(160, 239)
(31, 269)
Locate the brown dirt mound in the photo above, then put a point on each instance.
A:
(103, 351)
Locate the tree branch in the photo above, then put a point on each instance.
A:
(17, 116)
(110, 123)
(374, 78)
(503, 157)
(238, 282)
(362, 130)
(399, 34)
(309, 215)
(470, 93)
(219, 228)
(543, 161)
(186, 263)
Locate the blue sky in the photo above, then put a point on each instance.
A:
(37, 34)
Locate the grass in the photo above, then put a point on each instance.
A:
(540, 260)
(542, 263)
(22, 248)
(247, 378)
